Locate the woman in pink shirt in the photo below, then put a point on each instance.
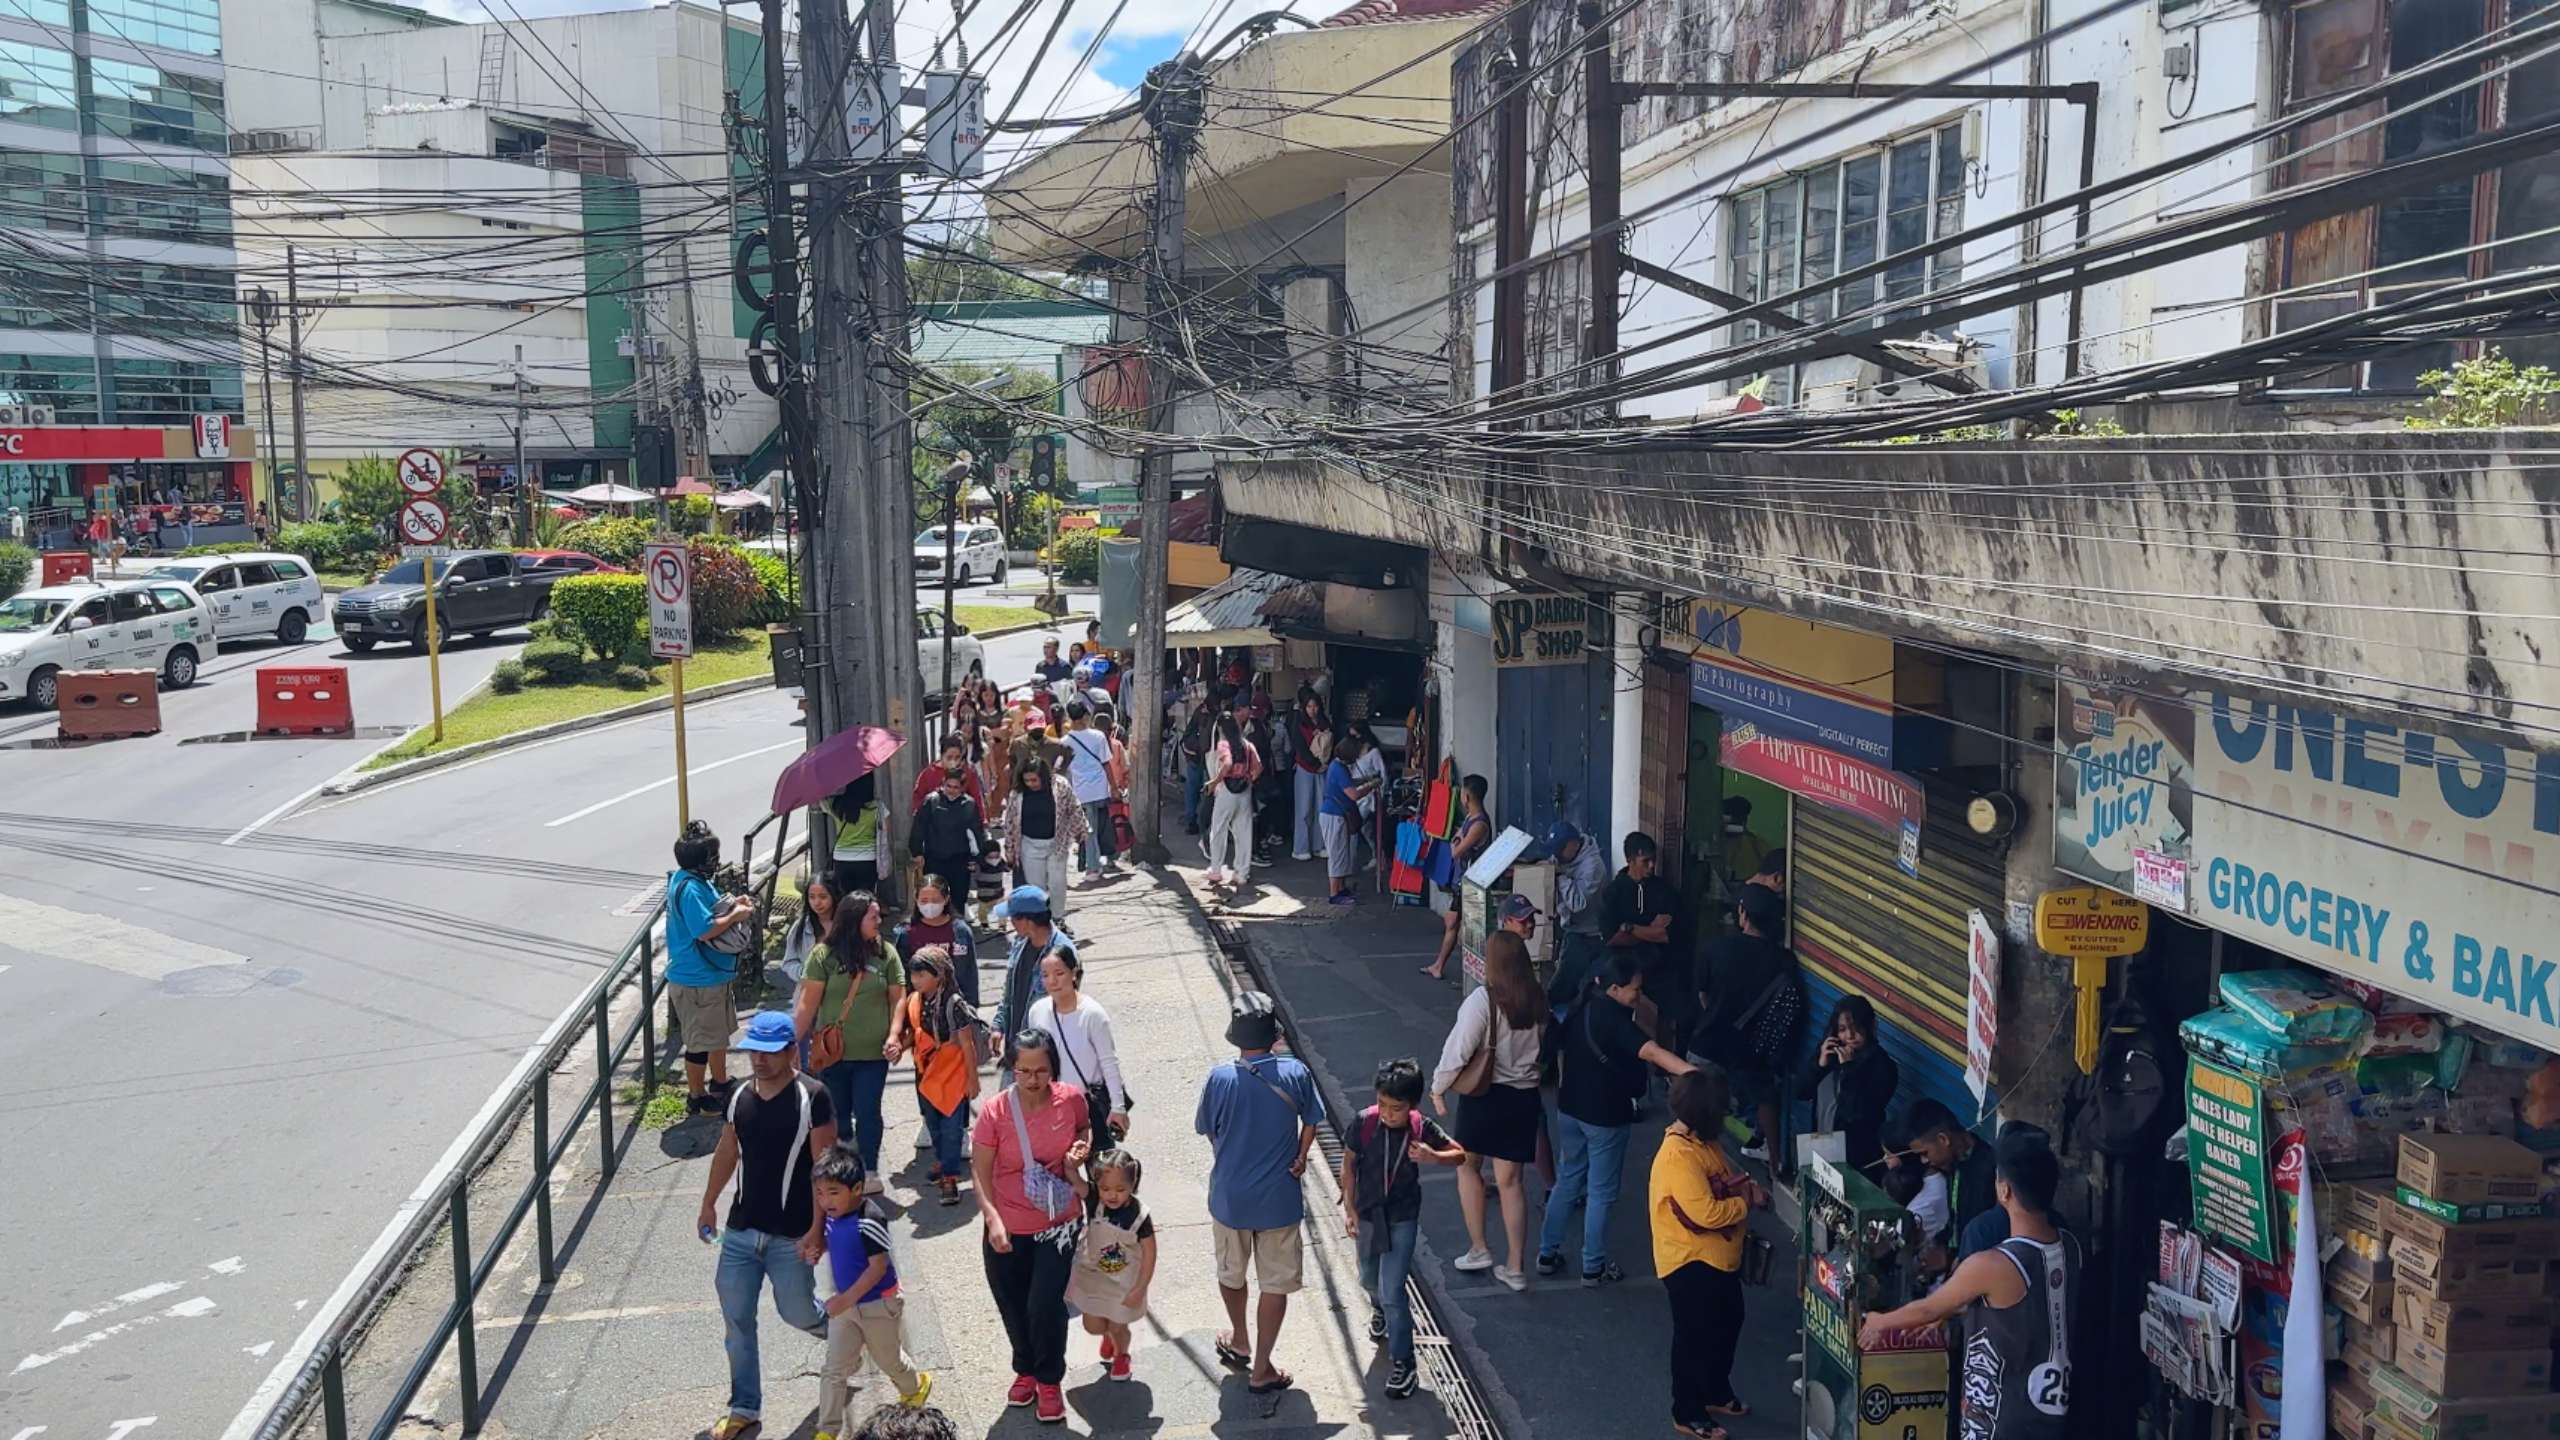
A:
(1029, 1168)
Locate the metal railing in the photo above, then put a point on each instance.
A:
(443, 1202)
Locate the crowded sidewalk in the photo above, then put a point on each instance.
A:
(631, 1342)
(1558, 1358)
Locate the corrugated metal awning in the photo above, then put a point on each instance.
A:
(1242, 610)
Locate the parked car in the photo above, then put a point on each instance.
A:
(979, 554)
(571, 562)
(142, 624)
(478, 592)
(968, 654)
(254, 594)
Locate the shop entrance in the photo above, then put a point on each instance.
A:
(1713, 861)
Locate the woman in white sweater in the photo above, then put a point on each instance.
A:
(1501, 1121)
(1087, 1056)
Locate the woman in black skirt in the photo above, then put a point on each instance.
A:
(1503, 1019)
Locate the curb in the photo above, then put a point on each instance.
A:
(1003, 630)
(360, 779)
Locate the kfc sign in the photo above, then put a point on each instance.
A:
(213, 437)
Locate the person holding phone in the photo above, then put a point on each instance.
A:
(1853, 1080)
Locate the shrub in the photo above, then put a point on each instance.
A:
(781, 586)
(551, 627)
(508, 677)
(726, 593)
(234, 547)
(633, 677)
(636, 652)
(1078, 554)
(17, 562)
(2487, 392)
(605, 610)
(614, 539)
(555, 662)
(1028, 525)
(690, 513)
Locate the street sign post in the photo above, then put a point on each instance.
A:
(423, 522)
(667, 569)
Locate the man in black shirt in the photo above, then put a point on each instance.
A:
(1598, 1082)
(777, 1124)
(1941, 1142)
(1636, 913)
(1744, 973)
(1051, 669)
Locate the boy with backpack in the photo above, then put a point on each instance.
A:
(1382, 1204)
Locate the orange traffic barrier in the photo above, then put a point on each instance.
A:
(61, 567)
(107, 704)
(305, 700)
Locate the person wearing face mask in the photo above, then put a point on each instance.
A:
(938, 921)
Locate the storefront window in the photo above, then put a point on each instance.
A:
(173, 392)
(36, 86)
(68, 383)
(140, 102)
(194, 26)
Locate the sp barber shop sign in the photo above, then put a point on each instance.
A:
(1541, 630)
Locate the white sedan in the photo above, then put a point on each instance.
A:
(979, 555)
(968, 656)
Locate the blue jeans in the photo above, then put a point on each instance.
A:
(1302, 820)
(1383, 1274)
(748, 1258)
(1195, 778)
(950, 1138)
(1589, 1160)
(856, 1086)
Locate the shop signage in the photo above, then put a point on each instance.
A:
(105, 443)
(213, 437)
(1540, 630)
(2121, 813)
(1790, 677)
(1981, 1003)
(1884, 797)
(2227, 1159)
(2422, 865)
(2087, 923)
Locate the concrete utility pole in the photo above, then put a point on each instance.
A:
(1173, 106)
(262, 313)
(891, 562)
(525, 487)
(293, 339)
(791, 376)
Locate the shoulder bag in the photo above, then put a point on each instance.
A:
(1097, 1095)
(827, 1046)
(1042, 1188)
(1476, 1076)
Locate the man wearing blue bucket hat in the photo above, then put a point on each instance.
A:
(775, 1126)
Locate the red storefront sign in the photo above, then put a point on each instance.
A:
(1886, 797)
(30, 444)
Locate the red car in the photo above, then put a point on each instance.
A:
(575, 562)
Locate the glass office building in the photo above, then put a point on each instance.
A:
(116, 256)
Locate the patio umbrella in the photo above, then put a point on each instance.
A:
(607, 493)
(836, 762)
(689, 485)
(740, 500)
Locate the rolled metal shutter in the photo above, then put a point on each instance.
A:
(1861, 926)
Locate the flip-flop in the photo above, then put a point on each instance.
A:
(1711, 1432)
(1739, 1409)
(1280, 1380)
(1230, 1355)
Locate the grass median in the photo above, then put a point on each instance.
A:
(488, 715)
(990, 617)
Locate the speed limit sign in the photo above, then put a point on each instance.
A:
(421, 471)
(422, 522)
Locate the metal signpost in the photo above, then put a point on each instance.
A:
(423, 521)
(668, 569)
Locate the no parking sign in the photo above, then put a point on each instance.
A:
(668, 571)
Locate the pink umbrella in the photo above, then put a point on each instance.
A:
(836, 762)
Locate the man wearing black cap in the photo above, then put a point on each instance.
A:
(1260, 1112)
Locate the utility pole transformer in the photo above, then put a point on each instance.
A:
(1173, 108)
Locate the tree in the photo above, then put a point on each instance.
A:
(964, 267)
(369, 494)
(952, 424)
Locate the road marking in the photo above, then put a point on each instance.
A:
(259, 1350)
(126, 1427)
(29, 1433)
(103, 941)
(794, 743)
(232, 1266)
(272, 816)
(193, 1309)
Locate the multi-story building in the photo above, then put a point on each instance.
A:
(116, 249)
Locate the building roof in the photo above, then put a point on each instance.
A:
(1249, 607)
(1388, 12)
(1007, 332)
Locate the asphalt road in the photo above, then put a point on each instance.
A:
(244, 1024)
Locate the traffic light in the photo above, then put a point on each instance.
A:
(653, 457)
(1044, 462)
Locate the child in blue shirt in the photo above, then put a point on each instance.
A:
(867, 1312)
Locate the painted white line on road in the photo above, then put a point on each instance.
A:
(259, 1350)
(29, 1433)
(122, 1428)
(278, 813)
(152, 1291)
(794, 743)
(103, 941)
(193, 1309)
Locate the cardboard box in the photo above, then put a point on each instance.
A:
(2468, 1370)
(2514, 1323)
(2361, 1362)
(2431, 1276)
(2470, 1169)
(2453, 1214)
(2403, 1407)
(2381, 1336)
(2360, 1294)
(2356, 1204)
(2350, 1406)
(2534, 1239)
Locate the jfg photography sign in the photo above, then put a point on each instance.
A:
(1541, 630)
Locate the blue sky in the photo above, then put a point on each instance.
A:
(1124, 64)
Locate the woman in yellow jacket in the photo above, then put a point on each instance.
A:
(1700, 1205)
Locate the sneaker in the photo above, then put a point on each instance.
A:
(924, 1138)
(1607, 1274)
(915, 1399)
(1024, 1390)
(1401, 1379)
(1119, 1367)
(1756, 1152)
(1475, 1260)
(1550, 1264)
(1051, 1408)
(1300, 855)
(1510, 1277)
(950, 1190)
(1377, 1327)
(874, 1185)
(1345, 898)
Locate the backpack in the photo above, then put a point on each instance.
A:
(1370, 1125)
(2133, 1085)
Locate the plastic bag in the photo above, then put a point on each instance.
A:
(2296, 1006)
(2226, 1037)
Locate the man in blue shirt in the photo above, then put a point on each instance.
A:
(698, 975)
(1260, 1112)
(1338, 817)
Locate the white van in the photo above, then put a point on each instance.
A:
(254, 595)
(121, 625)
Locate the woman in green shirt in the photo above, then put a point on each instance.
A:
(854, 983)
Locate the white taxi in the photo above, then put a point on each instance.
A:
(160, 625)
(253, 594)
